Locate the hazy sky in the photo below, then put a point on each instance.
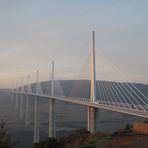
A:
(33, 32)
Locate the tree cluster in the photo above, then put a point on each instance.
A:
(5, 139)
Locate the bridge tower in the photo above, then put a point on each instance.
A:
(52, 130)
(91, 110)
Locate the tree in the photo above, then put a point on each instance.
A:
(49, 143)
(5, 139)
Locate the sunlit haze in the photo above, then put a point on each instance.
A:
(34, 32)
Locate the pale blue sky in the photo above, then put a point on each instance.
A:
(33, 32)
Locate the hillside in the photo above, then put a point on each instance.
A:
(124, 138)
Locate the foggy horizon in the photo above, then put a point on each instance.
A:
(33, 33)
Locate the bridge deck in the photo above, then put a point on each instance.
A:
(98, 104)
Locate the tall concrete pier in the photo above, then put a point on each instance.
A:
(16, 95)
(52, 130)
(27, 121)
(91, 110)
(36, 115)
(21, 101)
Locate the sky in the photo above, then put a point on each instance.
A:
(35, 32)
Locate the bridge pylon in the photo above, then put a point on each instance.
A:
(91, 110)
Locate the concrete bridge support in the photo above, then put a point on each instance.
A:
(36, 121)
(91, 119)
(16, 100)
(27, 121)
(36, 115)
(52, 127)
(93, 114)
(22, 101)
(16, 96)
(21, 105)
(52, 124)
(12, 97)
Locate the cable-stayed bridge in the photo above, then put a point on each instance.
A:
(118, 94)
